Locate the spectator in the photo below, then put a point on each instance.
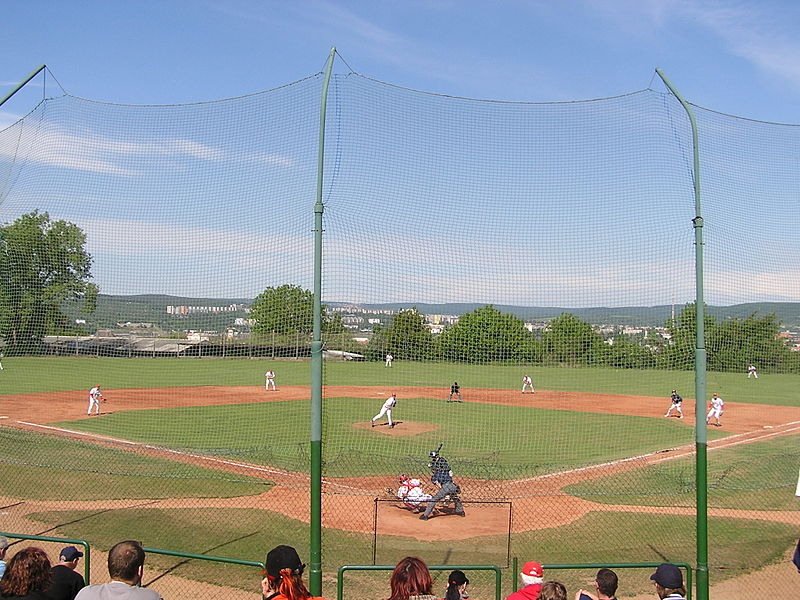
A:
(284, 576)
(65, 582)
(457, 584)
(411, 580)
(553, 590)
(3, 549)
(606, 583)
(125, 566)
(668, 580)
(27, 575)
(532, 576)
(796, 557)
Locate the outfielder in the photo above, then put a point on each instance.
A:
(389, 359)
(752, 371)
(442, 475)
(527, 382)
(386, 409)
(676, 404)
(270, 375)
(94, 400)
(411, 493)
(717, 408)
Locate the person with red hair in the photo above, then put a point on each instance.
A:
(27, 575)
(284, 576)
(411, 580)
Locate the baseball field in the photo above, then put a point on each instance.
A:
(194, 455)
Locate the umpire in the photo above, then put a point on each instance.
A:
(442, 475)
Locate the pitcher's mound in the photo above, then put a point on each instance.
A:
(401, 428)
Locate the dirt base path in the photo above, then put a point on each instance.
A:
(349, 502)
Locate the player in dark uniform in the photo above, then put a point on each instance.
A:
(676, 404)
(455, 390)
(442, 475)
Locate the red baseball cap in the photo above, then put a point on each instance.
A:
(533, 569)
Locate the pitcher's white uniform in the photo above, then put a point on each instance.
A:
(94, 400)
(717, 408)
(270, 375)
(527, 382)
(386, 409)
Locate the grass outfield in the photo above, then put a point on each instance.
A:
(488, 441)
(24, 375)
(757, 476)
(737, 545)
(42, 467)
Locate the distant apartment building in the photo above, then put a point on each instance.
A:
(198, 310)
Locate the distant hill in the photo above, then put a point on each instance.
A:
(151, 308)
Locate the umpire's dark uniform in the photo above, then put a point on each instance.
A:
(444, 477)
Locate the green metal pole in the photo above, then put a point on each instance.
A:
(22, 85)
(701, 438)
(315, 575)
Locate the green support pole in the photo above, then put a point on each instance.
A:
(22, 85)
(315, 575)
(701, 438)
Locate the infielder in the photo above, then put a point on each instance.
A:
(717, 408)
(94, 400)
(270, 375)
(455, 390)
(752, 371)
(676, 404)
(527, 382)
(442, 475)
(411, 493)
(389, 359)
(386, 409)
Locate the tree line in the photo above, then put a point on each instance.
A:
(44, 266)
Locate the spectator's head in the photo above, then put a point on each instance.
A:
(69, 556)
(3, 547)
(457, 584)
(532, 573)
(410, 578)
(126, 562)
(284, 573)
(606, 582)
(27, 571)
(553, 590)
(668, 580)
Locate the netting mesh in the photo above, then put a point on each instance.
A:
(468, 244)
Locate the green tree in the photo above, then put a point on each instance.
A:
(679, 353)
(488, 335)
(43, 266)
(289, 309)
(735, 343)
(569, 340)
(628, 353)
(406, 337)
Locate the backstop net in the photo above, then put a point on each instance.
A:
(507, 285)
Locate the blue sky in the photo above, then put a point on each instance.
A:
(740, 58)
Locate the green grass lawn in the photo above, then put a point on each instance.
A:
(480, 440)
(737, 546)
(757, 476)
(43, 467)
(24, 375)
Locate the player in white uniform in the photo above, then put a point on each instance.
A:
(270, 375)
(386, 409)
(411, 493)
(527, 382)
(389, 359)
(752, 371)
(717, 408)
(94, 400)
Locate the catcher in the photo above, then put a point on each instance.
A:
(411, 493)
(442, 475)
